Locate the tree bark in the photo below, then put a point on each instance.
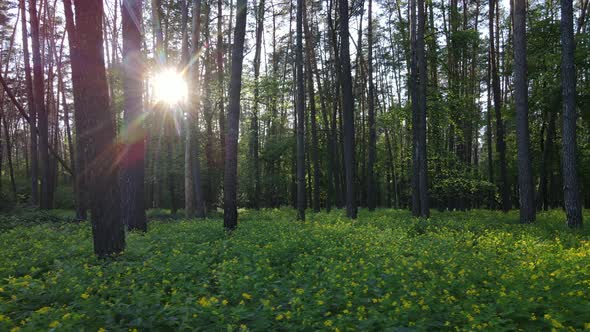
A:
(230, 209)
(41, 112)
(107, 225)
(82, 199)
(571, 190)
(192, 121)
(254, 146)
(347, 112)
(32, 110)
(315, 159)
(525, 171)
(133, 162)
(300, 111)
(372, 151)
(500, 142)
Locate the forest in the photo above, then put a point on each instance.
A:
(256, 165)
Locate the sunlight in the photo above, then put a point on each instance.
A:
(169, 87)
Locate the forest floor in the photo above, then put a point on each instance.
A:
(471, 270)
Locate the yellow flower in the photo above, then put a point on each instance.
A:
(224, 302)
(328, 323)
(587, 326)
(54, 324)
(247, 296)
(84, 296)
(204, 302)
(102, 330)
(43, 310)
(280, 317)
(1, 289)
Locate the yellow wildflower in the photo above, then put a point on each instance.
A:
(84, 296)
(247, 296)
(224, 302)
(280, 317)
(54, 324)
(328, 323)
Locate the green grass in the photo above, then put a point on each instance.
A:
(385, 271)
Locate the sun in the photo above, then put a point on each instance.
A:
(169, 87)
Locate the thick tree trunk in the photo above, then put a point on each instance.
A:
(571, 190)
(107, 225)
(133, 163)
(347, 112)
(525, 169)
(230, 209)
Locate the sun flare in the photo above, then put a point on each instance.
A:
(169, 87)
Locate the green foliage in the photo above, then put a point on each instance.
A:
(476, 270)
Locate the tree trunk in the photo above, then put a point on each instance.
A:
(220, 81)
(230, 209)
(107, 225)
(40, 107)
(82, 200)
(315, 159)
(525, 170)
(133, 163)
(500, 143)
(192, 149)
(32, 110)
(300, 111)
(571, 190)
(254, 142)
(372, 153)
(347, 111)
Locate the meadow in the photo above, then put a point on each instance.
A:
(386, 271)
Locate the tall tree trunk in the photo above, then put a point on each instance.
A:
(40, 107)
(82, 199)
(489, 132)
(107, 225)
(32, 109)
(300, 112)
(571, 190)
(372, 153)
(347, 111)
(230, 209)
(193, 113)
(220, 81)
(500, 142)
(254, 132)
(315, 159)
(422, 157)
(133, 163)
(525, 169)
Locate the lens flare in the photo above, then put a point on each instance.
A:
(169, 87)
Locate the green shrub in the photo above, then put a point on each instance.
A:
(384, 271)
